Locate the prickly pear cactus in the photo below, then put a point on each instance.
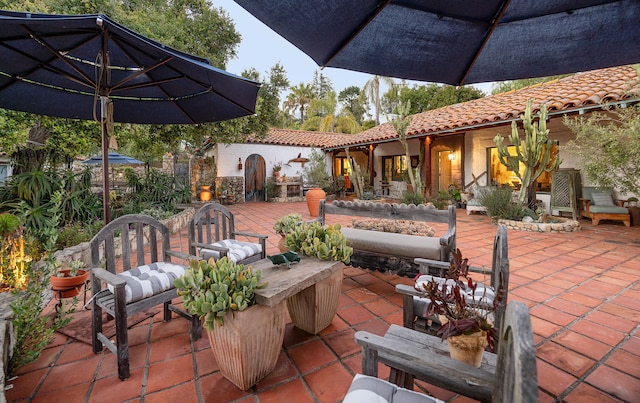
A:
(326, 243)
(210, 289)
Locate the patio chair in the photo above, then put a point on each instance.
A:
(212, 234)
(508, 376)
(145, 281)
(415, 305)
(598, 204)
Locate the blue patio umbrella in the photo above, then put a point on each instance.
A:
(458, 41)
(90, 67)
(114, 159)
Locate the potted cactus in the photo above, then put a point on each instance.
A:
(285, 225)
(245, 338)
(67, 283)
(325, 243)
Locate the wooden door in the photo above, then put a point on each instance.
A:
(444, 170)
(254, 178)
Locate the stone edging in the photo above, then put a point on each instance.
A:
(565, 225)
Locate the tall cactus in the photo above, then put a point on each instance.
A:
(534, 151)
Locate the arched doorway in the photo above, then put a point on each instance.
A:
(254, 178)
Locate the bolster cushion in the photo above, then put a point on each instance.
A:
(367, 389)
(393, 244)
(145, 281)
(238, 250)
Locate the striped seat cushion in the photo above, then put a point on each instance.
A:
(238, 250)
(367, 389)
(145, 281)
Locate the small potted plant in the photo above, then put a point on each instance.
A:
(66, 283)
(632, 201)
(244, 340)
(464, 311)
(276, 170)
(285, 225)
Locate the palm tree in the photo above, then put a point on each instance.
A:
(371, 90)
(299, 97)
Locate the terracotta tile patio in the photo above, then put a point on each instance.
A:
(582, 289)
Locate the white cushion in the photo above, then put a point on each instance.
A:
(145, 281)
(367, 389)
(602, 199)
(238, 250)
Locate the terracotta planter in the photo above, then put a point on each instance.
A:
(67, 287)
(247, 346)
(205, 193)
(313, 308)
(468, 348)
(314, 195)
(282, 244)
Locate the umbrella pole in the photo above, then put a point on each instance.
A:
(105, 160)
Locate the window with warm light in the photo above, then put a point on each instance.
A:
(500, 175)
(394, 167)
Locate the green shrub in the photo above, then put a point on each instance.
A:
(499, 205)
(409, 197)
(78, 232)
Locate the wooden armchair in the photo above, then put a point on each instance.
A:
(144, 281)
(212, 234)
(415, 305)
(598, 204)
(509, 376)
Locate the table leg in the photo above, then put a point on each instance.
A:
(313, 308)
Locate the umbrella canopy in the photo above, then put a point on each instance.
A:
(90, 67)
(114, 159)
(458, 42)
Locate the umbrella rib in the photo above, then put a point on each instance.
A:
(58, 55)
(381, 6)
(492, 27)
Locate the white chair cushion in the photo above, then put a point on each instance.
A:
(602, 199)
(367, 389)
(145, 281)
(238, 250)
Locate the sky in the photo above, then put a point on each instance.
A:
(262, 48)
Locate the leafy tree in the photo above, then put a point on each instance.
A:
(371, 90)
(353, 101)
(505, 86)
(608, 146)
(322, 85)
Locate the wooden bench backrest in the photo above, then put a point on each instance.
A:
(136, 227)
(211, 223)
(392, 211)
(516, 375)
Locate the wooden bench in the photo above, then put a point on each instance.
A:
(508, 376)
(385, 251)
(598, 204)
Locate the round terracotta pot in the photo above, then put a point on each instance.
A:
(67, 287)
(314, 195)
(468, 348)
(205, 193)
